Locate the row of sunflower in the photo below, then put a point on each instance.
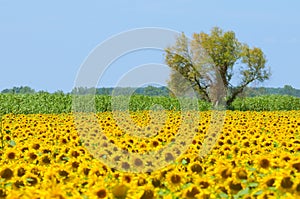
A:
(151, 154)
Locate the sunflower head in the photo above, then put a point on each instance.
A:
(270, 182)
(196, 167)
(242, 174)
(296, 166)
(3, 193)
(120, 191)
(297, 188)
(6, 173)
(192, 192)
(101, 193)
(264, 162)
(286, 182)
(226, 173)
(11, 154)
(175, 180)
(148, 194)
(31, 180)
(127, 178)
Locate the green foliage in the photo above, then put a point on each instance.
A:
(267, 103)
(208, 62)
(21, 90)
(46, 103)
(35, 103)
(286, 90)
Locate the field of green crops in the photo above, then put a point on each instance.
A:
(62, 103)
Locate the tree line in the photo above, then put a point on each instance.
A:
(158, 91)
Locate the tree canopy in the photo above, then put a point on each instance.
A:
(19, 90)
(208, 62)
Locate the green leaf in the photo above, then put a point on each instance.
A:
(252, 169)
(8, 184)
(12, 143)
(253, 184)
(229, 156)
(29, 179)
(163, 192)
(186, 185)
(236, 196)
(223, 195)
(69, 194)
(65, 158)
(272, 188)
(243, 191)
(84, 196)
(184, 162)
(258, 192)
(261, 175)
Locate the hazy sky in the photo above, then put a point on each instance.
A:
(43, 44)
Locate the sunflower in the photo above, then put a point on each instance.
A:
(192, 192)
(195, 168)
(148, 194)
(154, 143)
(6, 173)
(156, 180)
(249, 196)
(30, 180)
(11, 154)
(264, 162)
(296, 166)
(268, 181)
(225, 172)
(120, 191)
(101, 193)
(285, 157)
(127, 178)
(18, 184)
(36, 145)
(296, 185)
(268, 194)
(137, 162)
(205, 182)
(31, 156)
(141, 180)
(174, 180)
(241, 174)
(234, 186)
(73, 165)
(284, 182)
(44, 159)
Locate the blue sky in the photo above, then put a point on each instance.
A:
(43, 44)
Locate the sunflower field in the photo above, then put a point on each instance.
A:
(47, 151)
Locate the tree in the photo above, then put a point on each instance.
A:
(19, 90)
(208, 63)
(288, 90)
